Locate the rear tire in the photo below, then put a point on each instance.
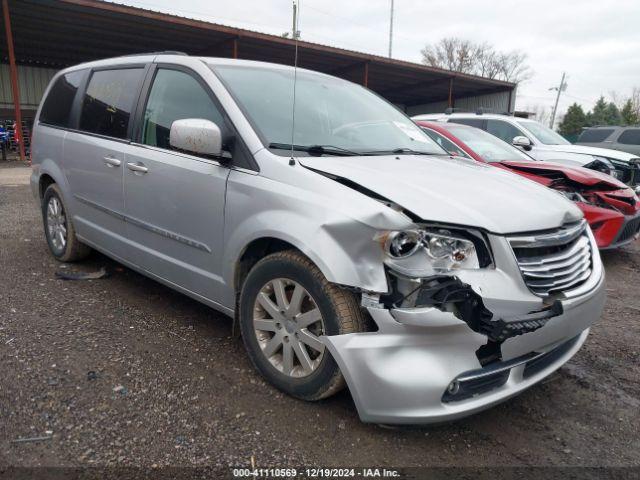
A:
(58, 228)
(301, 305)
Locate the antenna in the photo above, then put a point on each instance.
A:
(391, 30)
(296, 35)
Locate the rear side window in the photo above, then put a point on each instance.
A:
(109, 100)
(503, 130)
(473, 122)
(630, 137)
(56, 109)
(594, 135)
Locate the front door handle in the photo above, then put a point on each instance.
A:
(137, 167)
(111, 161)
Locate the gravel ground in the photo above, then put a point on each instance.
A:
(123, 371)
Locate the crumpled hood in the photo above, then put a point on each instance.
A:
(602, 152)
(583, 176)
(454, 191)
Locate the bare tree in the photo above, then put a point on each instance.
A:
(620, 99)
(539, 112)
(450, 53)
(481, 59)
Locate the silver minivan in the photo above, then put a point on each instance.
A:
(346, 244)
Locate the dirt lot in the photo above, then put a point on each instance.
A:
(171, 387)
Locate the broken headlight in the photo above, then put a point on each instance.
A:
(604, 165)
(419, 253)
(573, 196)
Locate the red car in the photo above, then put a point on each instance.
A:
(611, 207)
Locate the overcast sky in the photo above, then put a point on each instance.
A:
(596, 42)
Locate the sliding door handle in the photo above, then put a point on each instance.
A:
(137, 167)
(111, 161)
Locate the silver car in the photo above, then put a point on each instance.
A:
(346, 244)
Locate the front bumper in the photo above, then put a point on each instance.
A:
(628, 232)
(400, 374)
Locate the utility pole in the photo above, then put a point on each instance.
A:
(391, 30)
(560, 89)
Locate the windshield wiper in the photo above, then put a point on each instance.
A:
(315, 149)
(398, 151)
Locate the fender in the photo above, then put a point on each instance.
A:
(324, 229)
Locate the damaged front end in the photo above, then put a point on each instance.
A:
(450, 294)
(469, 320)
(611, 209)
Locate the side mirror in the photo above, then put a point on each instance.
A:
(521, 141)
(196, 135)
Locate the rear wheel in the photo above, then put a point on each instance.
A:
(286, 306)
(58, 228)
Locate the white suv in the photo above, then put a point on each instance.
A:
(542, 143)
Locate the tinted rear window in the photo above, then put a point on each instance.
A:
(630, 137)
(595, 135)
(109, 100)
(56, 109)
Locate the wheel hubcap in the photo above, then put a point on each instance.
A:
(287, 325)
(56, 224)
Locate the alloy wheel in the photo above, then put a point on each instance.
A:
(56, 224)
(287, 324)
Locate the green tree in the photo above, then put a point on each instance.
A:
(599, 114)
(612, 115)
(573, 121)
(628, 114)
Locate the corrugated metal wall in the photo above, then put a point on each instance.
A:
(32, 82)
(498, 102)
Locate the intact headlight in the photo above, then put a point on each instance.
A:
(427, 252)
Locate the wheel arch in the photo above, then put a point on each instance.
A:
(44, 182)
(253, 252)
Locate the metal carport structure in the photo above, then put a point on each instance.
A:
(51, 34)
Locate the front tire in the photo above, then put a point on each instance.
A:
(286, 305)
(58, 228)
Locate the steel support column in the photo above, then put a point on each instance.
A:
(451, 92)
(15, 90)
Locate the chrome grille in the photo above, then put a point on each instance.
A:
(554, 262)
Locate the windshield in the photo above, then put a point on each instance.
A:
(490, 148)
(544, 134)
(330, 112)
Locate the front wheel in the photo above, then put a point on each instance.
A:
(286, 306)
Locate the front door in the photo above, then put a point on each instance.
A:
(174, 200)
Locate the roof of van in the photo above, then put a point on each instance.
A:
(180, 57)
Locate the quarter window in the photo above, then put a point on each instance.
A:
(503, 130)
(175, 95)
(630, 137)
(109, 100)
(56, 109)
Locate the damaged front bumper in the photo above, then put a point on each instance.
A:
(423, 364)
